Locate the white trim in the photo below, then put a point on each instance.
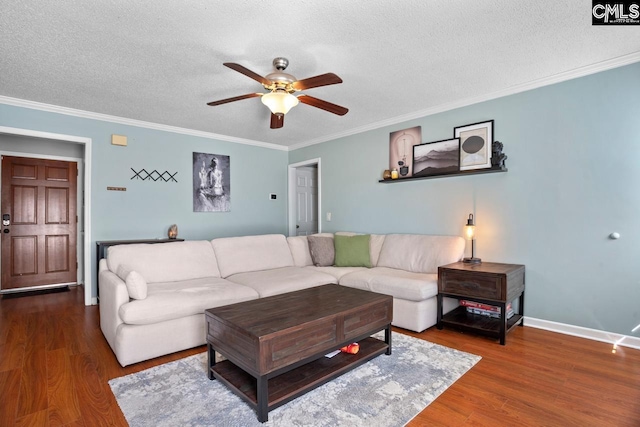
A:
(292, 192)
(588, 333)
(535, 84)
(37, 288)
(88, 276)
(40, 134)
(40, 156)
(16, 102)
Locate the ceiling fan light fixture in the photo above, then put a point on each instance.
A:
(281, 88)
(279, 101)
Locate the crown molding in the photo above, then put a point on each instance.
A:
(16, 102)
(535, 84)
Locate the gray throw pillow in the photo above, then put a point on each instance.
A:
(322, 251)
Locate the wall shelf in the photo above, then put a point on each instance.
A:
(449, 175)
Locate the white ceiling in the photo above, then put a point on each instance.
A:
(160, 61)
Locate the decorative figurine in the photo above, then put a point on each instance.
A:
(386, 174)
(497, 156)
(173, 231)
(404, 169)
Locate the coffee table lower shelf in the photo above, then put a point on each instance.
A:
(291, 384)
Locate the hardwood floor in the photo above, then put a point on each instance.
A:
(55, 364)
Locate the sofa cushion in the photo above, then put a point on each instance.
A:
(136, 284)
(336, 272)
(299, 247)
(420, 253)
(375, 246)
(352, 251)
(322, 250)
(173, 300)
(165, 262)
(281, 280)
(251, 253)
(397, 283)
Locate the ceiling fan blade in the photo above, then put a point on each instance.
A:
(277, 121)
(317, 81)
(235, 98)
(247, 72)
(323, 105)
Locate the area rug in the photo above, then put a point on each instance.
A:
(386, 391)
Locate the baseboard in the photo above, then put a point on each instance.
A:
(588, 333)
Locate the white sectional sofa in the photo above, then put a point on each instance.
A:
(153, 296)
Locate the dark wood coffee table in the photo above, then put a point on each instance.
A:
(275, 346)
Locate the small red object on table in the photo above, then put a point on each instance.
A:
(351, 348)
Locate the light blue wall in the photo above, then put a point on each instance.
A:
(40, 146)
(574, 178)
(148, 208)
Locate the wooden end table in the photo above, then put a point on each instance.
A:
(488, 283)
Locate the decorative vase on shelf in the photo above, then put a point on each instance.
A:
(386, 174)
(394, 173)
(173, 231)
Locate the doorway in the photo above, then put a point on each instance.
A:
(84, 258)
(305, 198)
(39, 223)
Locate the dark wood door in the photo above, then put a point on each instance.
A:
(39, 222)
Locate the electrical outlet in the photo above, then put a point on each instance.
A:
(272, 196)
(328, 216)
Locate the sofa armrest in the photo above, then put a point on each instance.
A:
(113, 294)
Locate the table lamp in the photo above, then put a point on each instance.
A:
(470, 233)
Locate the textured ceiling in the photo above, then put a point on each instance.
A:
(161, 61)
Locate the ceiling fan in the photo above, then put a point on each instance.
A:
(282, 86)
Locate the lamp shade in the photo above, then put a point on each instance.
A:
(470, 234)
(470, 228)
(279, 102)
(470, 231)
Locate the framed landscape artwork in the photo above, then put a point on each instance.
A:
(211, 183)
(475, 145)
(436, 158)
(401, 149)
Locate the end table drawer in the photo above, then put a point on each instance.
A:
(478, 286)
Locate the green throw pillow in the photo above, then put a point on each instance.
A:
(352, 251)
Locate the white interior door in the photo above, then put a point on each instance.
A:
(306, 201)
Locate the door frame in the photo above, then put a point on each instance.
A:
(292, 192)
(87, 268)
